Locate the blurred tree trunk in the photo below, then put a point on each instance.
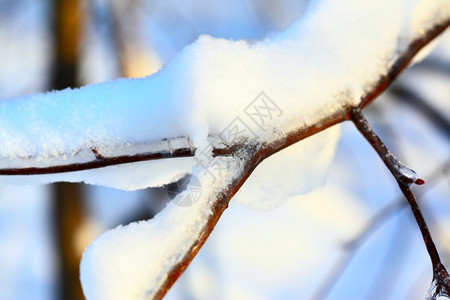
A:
(68, 217)
(68, 198)
(68, 214)
(67, 29)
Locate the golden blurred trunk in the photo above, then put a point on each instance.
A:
(68, 214)
(67, 29)
(68, 217)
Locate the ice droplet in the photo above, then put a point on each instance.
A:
(436, 292)
(407, 175)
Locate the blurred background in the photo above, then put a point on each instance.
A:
(352, 239)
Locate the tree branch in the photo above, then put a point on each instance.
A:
(397, 67)
(261, 152)
(403, 61)
(405, 177)
(100, 160)
(386, 212)
(256, 152)
(351, 246)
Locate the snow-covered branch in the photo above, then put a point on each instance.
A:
(133, 120)
(263, 152)
(232, 103)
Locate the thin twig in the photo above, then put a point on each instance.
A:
(100, 161)
(352, 245)
(403, 61)
(256, 155)
(291, 138)
(222, 199)
(405, 177)
(379, 87)
(389, 210)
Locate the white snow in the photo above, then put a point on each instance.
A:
(321, 63)
(268, 255)
(296, 170)
(131, 262)
(310, 70)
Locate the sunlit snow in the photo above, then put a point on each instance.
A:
(319, 65)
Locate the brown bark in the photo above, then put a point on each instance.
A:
(223, 198)
(261, 152)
